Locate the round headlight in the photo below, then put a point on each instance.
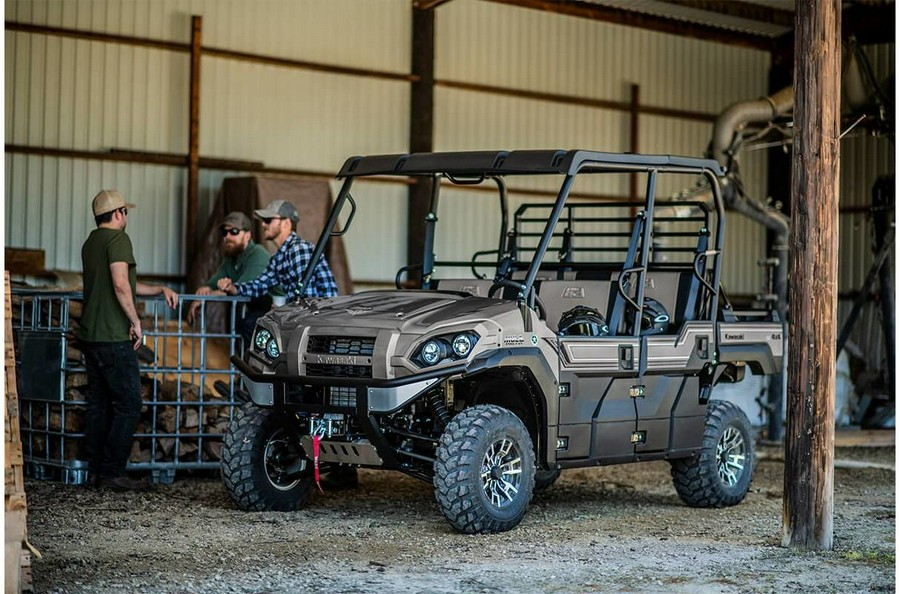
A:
(462, 345)
(272, 349)
(432, 352)
(262, 337)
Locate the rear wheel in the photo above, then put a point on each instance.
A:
(484, 472)
(263, 466)
(720, 476)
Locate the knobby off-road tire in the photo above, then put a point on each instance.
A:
(484, 471)
(263, 464)
(544, 479)
(720, 476)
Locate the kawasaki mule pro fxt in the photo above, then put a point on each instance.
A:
(596, 338)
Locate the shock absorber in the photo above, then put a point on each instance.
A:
(436, 401)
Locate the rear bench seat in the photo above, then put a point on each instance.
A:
(559, 296)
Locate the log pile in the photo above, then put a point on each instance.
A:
(175, 424)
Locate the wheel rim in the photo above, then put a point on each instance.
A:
(501, 473)
(731, 456)
(280, 454)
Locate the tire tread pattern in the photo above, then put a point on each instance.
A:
(457, 470)
(243, 469)
(697, 479)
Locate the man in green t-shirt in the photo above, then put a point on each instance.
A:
(110, 334)
(243, 260)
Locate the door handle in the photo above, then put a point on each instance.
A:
(626, 356)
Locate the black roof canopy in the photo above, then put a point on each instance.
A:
(524, 162)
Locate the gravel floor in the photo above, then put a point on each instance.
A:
(612, 529)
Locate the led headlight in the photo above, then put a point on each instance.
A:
(272, 349)
(261, 338)
(433, 351)
(462, 345)
(449, 346)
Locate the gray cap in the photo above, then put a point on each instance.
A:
(238, 220)
(278, 209)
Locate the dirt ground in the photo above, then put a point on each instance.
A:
(611, 529)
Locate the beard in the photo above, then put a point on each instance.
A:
(232, 249)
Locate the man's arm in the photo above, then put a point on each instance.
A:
(122, 288)
(254, 288)
(170, 296)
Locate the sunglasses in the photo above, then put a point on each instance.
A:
(232, 231)
(124, 211)
(269, 220)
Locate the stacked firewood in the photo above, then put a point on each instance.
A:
(174, 424)
(177, 423)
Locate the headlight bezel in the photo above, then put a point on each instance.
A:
(444, 347)
(266, 342)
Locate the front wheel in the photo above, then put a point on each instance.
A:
(720, 476)
(264, 467)
(484, 471)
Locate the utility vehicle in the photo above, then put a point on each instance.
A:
(593, 334)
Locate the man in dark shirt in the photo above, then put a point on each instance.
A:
(110, 333)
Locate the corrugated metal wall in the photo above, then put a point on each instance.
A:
(863, 159)
(505, 46)
(89, 95)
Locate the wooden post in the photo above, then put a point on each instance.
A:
(809, 447)
(17, 555)
(193, 189)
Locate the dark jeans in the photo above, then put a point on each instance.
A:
(113, 405)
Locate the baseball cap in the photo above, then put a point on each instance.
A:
(278, 208)
(108, 201)
(238, 220)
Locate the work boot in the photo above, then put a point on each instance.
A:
(340, 478)
(124, 483)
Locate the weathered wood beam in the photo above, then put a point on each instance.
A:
(630, 18)
(808, 520)
(206, 51)
(743, 10)
(428, 4)
(625, 106)
(193, 186)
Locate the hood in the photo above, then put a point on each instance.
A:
(401, 310)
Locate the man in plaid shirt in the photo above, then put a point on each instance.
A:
(287, 265)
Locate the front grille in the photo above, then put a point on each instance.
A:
(342, 345)
(342, 396)
(323, 370)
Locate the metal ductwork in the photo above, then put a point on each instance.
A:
(726, 131)
(726, 142)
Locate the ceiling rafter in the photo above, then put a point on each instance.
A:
(744, 10)
(630, 18)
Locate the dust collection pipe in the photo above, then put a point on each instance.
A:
(725, 140)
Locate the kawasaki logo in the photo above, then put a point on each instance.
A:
(734, 336)
(334, 360)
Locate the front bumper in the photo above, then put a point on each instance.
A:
(363, 395)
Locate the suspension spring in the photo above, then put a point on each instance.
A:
(436, 401)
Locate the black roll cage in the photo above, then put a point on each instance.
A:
(474, 167)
